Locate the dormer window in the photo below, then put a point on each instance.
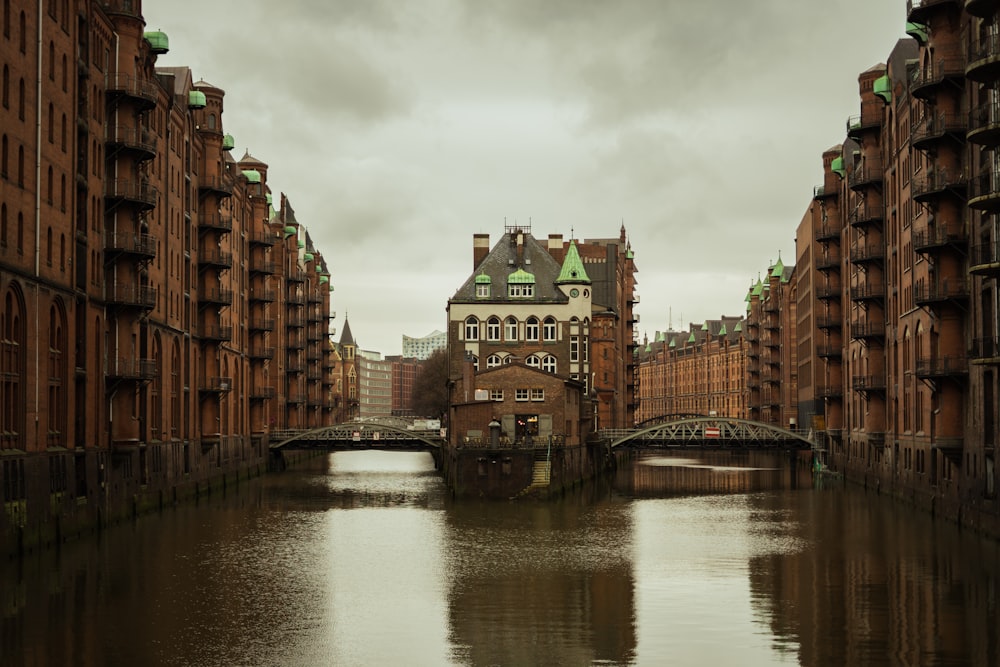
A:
(520, 291)
(482, 286)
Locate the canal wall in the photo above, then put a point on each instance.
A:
(508, 473)
(95, 489)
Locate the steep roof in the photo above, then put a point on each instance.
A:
(505, 264)
(345, 334)
(572, 268)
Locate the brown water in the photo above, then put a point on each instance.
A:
(362, 559)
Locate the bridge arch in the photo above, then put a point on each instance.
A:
(356, 435)
(709, 433)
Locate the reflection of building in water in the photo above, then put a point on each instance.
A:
(712, 472)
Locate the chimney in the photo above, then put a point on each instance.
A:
(468, 373)
(480, 249)
(520, 249)
(556, 247)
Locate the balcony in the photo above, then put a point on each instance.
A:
(215, 297)
(215, 334)
(828, 323)
(984, 125)
(260, 353)
(261, 325)
(869, 120)
(125, 191)
(927, 81)
(867, 292)
(862, 216)
(262, 393)
(866, 253)
(984, 260)
(934, 129)
(821, 192)
(984, 192)
(215, 258)
(827, 233)
(868, 331)
(119, 369)
(831, 391)
(140, 141)
(144, 92)
(936, 183)
(868, 383)
(261, 295)
(316, 297)
(934, 239)
(942, 367)
(928, 294)
(295, 299)
(983, 64)
(828, 260)
(829, 351)
(828, 292)
(215, 183)
(263, 238)
(215, 385)
(262, 266)
(866, 175)
(142, 297)
(296, 276)
(919, 11)
(138, 246)
(985, 350)
(221, 222)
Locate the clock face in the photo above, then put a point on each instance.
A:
(574, 292)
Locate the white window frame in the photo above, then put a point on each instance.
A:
(574, 348)
(471, 328)
(493, 329)
(494, 360)
(549, 363)
(483, 290)
(510, 329)
(538, 394)
(533, 361)
(549, 329)
(531, 328)
(521, 395)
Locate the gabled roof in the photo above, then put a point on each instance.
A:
(506, 264)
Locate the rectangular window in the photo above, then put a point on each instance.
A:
(496, 394)
(483, 291)
(520, 394)
(574, 348)
(538, 394)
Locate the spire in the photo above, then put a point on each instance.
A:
(572, 268)
(345, 335)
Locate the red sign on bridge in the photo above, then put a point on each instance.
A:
(713, 432)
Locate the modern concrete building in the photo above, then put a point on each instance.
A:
(374, 385)
(152, 300)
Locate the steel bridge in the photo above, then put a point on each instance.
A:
(716, 433)
(358, 435)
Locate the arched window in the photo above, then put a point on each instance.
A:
(211, 121)
(48, 246)
(549, 329)
(50, 186)
(62, 133)
(493, 361)
(23, 37)
(549, 363)
(65, 75)
(52, 61)
(12, 380)
(475, 361)
(62, 192)
(471, 328)
(510, 329)
(533, 361)
(62, 252)
(20, 166)
(531, 329)
(58, 408)
(493, 329)
(20, 99)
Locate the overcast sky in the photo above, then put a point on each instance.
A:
(398, 129)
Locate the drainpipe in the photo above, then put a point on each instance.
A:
(38, 205)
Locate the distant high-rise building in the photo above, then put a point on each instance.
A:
(374, 384)
(421, 348)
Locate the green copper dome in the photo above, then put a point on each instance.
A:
(482, 279)
(290, 231)
(228, 142)
(308, 257)
(252, 176)
(196, 100)
(158, 42)
(521, 277)
(883, 88)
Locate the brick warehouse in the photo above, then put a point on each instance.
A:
(159, 316)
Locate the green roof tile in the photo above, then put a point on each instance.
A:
(521, 277)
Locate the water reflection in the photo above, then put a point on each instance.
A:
(363, 559)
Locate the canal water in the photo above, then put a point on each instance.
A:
(361, 558)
